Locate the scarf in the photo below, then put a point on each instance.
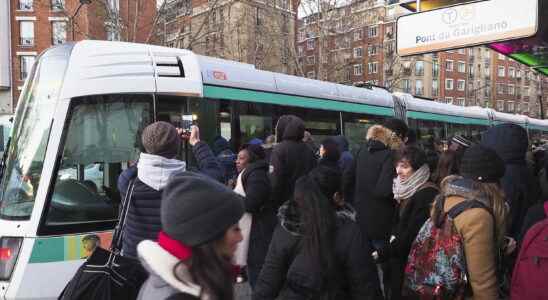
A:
(154, 170)
(404, 189)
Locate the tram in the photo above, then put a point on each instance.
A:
(78, 122)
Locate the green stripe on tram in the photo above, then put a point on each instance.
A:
(445, 118)
(289, 100)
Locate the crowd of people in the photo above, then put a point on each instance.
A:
(299, 220)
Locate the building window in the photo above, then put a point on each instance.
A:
(358, 52)
(449, 65)
(461, 51)
(26, 33)
(357, 35)
(511, 72)
(448, 84)
(449, 100)
(525, 107)
(435, 69)
(311, 60)
(372, 50)
(358, 70)
(25, 5)
(59, 32)
(510, 106)
(461, 66)
(526, 92)
(502, 57)
(487, 90)
(372, 67)
(461, 85)
(500, 88)
(26, 65)
(500, 105)
(300, 50)
(302, 35)
(373, 31)
(419, 89)
(518, 74)
(435, 88)
(57, 4)
(511, 89)
(310, 44)
(311, 74)
(459, 101)
(406, 85)
(419, 68)
(501, 71)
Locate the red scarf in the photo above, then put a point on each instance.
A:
(174, 247)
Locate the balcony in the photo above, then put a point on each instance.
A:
(407, 71)
(25, 6)
(57, 5)
(27, 41)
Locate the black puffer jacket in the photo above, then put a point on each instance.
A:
(374, 173)
(143, 219)
(346, 163)
(289, 274)
(257, 202)
(520, 187)
(290, 159)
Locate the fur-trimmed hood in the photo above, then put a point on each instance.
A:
(385, 136)
(455, 185)
(162, 283)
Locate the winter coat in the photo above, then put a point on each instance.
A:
(372, 174)
(257, 202)
(412, 215)
(345, 164)
(226, 157)
(143, 219)
(534, 215)
(476, 226)
(162, 283)
(290, 159)
(510, 141)
(288, 273)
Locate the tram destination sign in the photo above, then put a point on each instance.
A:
(466, 25)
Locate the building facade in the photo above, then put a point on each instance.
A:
(257, 32)
(355, 44)
(36, 25)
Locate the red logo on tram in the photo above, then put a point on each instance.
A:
(219, 75)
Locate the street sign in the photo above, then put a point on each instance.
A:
(466, 25)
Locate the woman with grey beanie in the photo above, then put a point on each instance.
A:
(191, 257)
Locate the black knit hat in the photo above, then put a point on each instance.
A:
(161, 138)
(397, 126)
(256, 152)
(482, 164)
(197, 209)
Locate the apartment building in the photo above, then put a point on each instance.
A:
(36, 25)
(258, 32)
(355, 43)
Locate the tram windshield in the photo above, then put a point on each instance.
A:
(25, 157)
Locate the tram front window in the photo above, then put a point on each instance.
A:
(25, 156)
(102, 139)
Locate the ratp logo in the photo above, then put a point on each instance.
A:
(450, 16)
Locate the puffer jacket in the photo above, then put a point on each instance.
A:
(373, 174)
(510, 141)
(162, 283)
(143, 219)
(290, 159)
(477, 227)
(289, 274)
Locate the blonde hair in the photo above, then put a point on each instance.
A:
(497, 204)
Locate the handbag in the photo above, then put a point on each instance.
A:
(107, 274)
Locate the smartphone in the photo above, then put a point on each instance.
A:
(186, 123)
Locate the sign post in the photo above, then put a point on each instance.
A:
(466, 25)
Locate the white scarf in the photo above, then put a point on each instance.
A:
(404, 189)
(154, 170)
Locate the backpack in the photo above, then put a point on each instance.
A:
(531, 270)
(436, 266)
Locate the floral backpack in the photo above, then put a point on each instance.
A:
(436, 266)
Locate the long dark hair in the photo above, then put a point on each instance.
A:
(447, 165)
(210, 270)
(319, 225)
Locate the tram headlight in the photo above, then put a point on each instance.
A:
(9, 251)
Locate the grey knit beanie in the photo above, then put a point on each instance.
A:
(197, 209)
(161, 138)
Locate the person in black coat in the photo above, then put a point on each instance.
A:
(415, 194)
(256, 186)
(160, 141)
(317, 248)
(291, 158)
(372, 176)
(510, 141)
(346, 163)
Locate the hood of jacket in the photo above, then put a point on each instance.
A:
(160, 265)
(383, 137)
(342, 142)
(280, 127)
(294, 130)
(462, 187)
(510, 141)
(155, 170)
(219, 145)
(259, 164)
(289, 217)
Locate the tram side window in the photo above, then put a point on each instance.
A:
(356, 126)
(430, 134)
(102, 138)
